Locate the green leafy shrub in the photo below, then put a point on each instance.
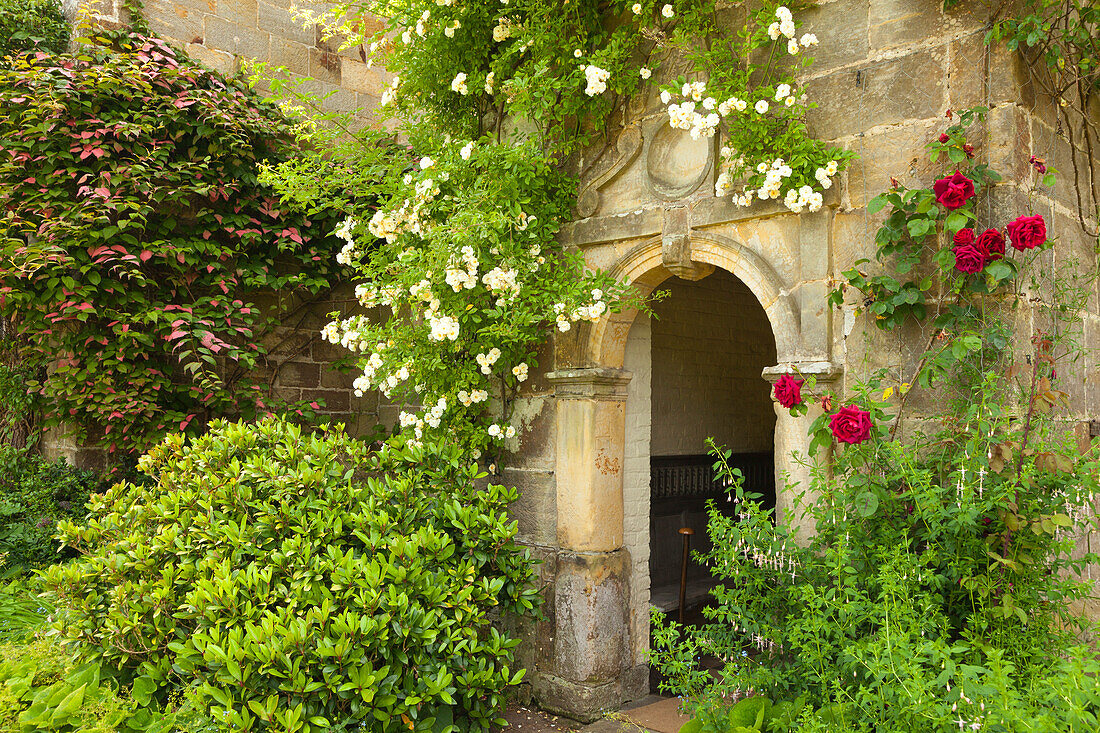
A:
(42, 688)
(135, 235)
(303, 581)
(32, 24)
(35, 494)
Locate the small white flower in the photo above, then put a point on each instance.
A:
(783, 13)
(773, 31)
(808, 40)
(709, 103)
(467, 150)
(636, 8)
(665, 97)
(489, 79)
(426, 163)
(787, 28)
(667, 11)
(577, 53)
(458, 84)
(494, 431)
(761, 107)
(509, 432)
(792, 47)
(520, 372)
(645, 72)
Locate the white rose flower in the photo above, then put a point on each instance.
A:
(458, 84)
(761, 107)
(808, 40)
(782, 91)
(667, 11)
(783, 13)
(467, 150)
(773, 31)
(665, 97)
(645, 72)
(792, 47)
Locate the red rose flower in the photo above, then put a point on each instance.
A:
(788, 391)
(964, 236)
(953, 191)
(944, 137)
(851, 425)
(969, 258)
(993, 242)
(969, 150)
(1027, 232)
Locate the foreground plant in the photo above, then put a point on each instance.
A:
(302, 582)
(136, 238)
(940, 590)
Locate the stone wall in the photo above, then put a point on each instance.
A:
(225, 33)
(711, 340)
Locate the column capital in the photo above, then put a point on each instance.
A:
(590, 382)
(826, 372)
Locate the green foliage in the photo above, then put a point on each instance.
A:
(27, 25)
(135, 231)
(22, 609)
(937, 591)
(934, 589)
(43, 689)
(35, 495)
(302, 581)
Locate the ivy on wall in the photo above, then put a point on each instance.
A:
(134, 230)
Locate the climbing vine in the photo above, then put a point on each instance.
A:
(135, 237)
(505, 104)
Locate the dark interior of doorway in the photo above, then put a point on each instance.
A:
(680, 489)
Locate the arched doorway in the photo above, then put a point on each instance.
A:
(696, 369)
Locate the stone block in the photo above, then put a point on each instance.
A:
(356, 77)
(1009, 141)
(273, 16)
(220, 61)
(332, 379)
(907, 88)
(591, 600)
(841, 29)
(986, 75)
(241, 40)
(536, 508)
(180, 21)
(324, 65)
(898, 23)
(333, 400)
(299, 374)
(241, 12)
(897, 152)
(290, 55)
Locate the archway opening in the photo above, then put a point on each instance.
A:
(696, 374)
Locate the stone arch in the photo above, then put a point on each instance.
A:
(644, 266)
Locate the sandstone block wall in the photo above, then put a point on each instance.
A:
(225, 33)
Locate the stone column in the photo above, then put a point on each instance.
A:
(793, 464)
(592, 661)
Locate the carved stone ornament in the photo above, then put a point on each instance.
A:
(627, 147)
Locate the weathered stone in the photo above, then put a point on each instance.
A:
(840, 43)
(294, 57)
(241, 12)
(535, 510)
(220, 61)
(180, 21)
(907, 88)
(274, 17)
(299, 374)
(325, 65)
(895, 23)
(893, 153)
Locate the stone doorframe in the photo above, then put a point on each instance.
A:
(594, 665)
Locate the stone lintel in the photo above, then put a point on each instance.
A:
(590, 383)
(611, 228)
(826, 372)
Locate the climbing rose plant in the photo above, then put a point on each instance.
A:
(135, 235)
(463, 250)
